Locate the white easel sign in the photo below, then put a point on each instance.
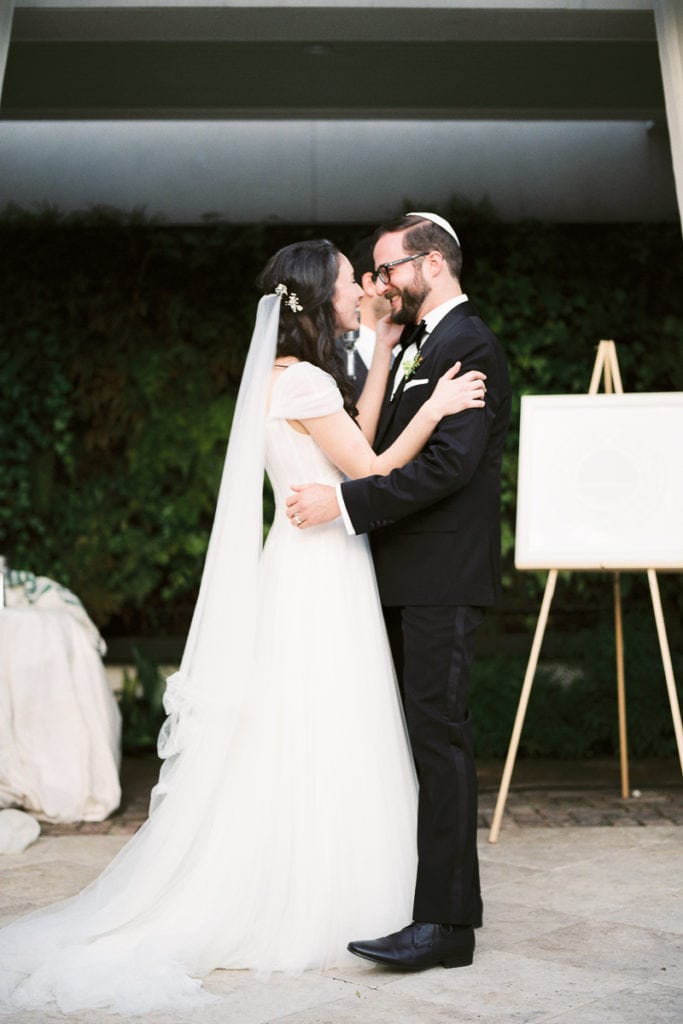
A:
(600, 482)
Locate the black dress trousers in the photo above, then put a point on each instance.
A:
(433, 649)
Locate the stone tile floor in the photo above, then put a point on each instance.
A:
(583, 912)
(582, 926)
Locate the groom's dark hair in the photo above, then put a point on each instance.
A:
(421, 235)
(308, 271)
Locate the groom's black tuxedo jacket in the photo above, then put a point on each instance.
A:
(435, 522)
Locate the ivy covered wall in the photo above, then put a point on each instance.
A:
(121, 347)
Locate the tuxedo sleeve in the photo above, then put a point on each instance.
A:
(448, 462)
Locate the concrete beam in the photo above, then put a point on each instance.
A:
(330, 22)
(669, 22)
(6, 12)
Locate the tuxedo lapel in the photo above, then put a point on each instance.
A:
(410, 334)
(386, 414)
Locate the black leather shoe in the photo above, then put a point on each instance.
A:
(419, 946)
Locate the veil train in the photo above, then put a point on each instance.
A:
(122, 942)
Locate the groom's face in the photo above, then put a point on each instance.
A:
(407, 290)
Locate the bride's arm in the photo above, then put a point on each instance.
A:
(346, 446)
(370, 400)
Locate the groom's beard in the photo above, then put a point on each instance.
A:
(413, 298)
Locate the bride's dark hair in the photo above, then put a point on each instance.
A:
(309, 271)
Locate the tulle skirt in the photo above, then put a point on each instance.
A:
(300, 836)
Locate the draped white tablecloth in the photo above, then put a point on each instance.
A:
(60, 726)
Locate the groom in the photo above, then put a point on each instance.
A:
(435, 532)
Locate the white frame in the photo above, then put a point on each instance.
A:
(600, 483)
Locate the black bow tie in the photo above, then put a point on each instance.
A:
(413, 334)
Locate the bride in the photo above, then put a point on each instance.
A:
(283, 821)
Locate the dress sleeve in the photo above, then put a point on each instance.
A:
(304, 391)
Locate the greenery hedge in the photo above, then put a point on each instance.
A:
(572, 711)
(121, 346)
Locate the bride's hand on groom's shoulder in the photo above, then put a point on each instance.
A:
(454, 393)
(312, 505)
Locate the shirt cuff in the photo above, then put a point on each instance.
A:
(342, 511)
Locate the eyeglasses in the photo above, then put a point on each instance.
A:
(383, 269)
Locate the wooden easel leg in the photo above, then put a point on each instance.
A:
(598, 368)
(614, 368)
(523, 701)
(621, 688)
(666, 662)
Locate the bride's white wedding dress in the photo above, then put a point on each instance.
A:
(306, 838)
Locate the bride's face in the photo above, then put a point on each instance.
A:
(347, 293)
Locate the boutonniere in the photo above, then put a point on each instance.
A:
(409, 366)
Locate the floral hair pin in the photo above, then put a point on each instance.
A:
(291, 299)
(409, 366)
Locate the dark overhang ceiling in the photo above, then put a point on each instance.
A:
(331, 62)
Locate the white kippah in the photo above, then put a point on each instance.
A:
(435, 219)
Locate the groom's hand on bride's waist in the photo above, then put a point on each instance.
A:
(312, 505)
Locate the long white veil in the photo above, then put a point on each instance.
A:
(122, 942)
(217, 656)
